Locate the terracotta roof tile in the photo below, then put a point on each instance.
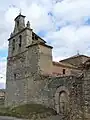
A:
(63, 64)
(75, 56)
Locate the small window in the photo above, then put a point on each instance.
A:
(20, 40)
(14, 76)
(17, 23)
(33, 36)
(36, 37)
(13, 44)
(64, 71)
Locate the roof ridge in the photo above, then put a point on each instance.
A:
(77, 55)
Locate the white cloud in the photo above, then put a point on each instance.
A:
(70, 39)
(2, 70)
(75, 11)
(65, 27)
(66, 12)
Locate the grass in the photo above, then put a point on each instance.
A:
(28, 111)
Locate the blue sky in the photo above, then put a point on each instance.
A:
(64, 24)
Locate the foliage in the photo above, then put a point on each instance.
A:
(28, 111)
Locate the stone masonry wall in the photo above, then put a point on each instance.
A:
(45, 89)
(45, 59)
(86, 94)
(26, 40)
(26, 84)
(19, 69)
(15, 83)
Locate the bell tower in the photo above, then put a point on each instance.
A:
(20, 37)
(19, 23)
(17, 63)
(28, 57)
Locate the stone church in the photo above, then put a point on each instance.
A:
(33, 77)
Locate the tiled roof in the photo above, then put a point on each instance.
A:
(63, 64)
(75, 56)
(40, 43)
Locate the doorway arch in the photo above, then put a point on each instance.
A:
(61, 99)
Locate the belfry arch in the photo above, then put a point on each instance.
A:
(62, 100)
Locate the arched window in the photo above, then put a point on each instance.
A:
(14, 76)
(20, 40)
(33, 36)
(18, 23)
(13, 44)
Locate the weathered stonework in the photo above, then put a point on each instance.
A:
(29, 61)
